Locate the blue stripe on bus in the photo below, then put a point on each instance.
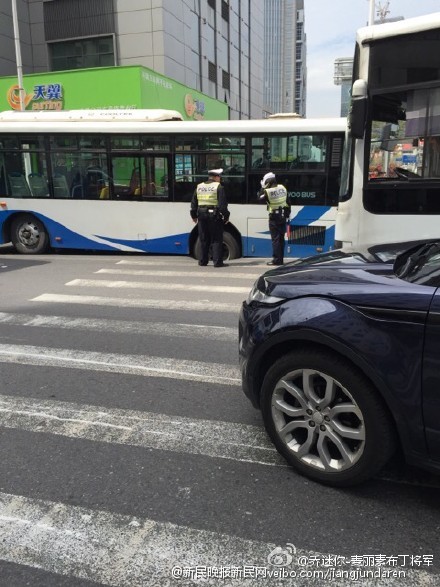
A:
(262, 247)
(70, 239)
(176, 243)
(309, 214)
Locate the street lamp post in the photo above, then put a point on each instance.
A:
(18, 54)
(371, 13)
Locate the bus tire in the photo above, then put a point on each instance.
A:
(231, 249)
(28, 235)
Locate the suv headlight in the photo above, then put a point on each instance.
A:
(256, 295)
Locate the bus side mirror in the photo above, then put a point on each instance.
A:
(358, 109)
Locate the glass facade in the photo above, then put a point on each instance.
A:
(284, 57)
(82, 54)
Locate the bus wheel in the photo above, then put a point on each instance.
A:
(231, 250)
(28, 235)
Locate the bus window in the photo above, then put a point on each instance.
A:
(289, 152)
(261, 153)
(234, 178)
(308, 152)
(79, 175)
(25, 171)
(140, 178)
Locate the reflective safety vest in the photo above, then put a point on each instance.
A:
(277, 197)
(207, 194)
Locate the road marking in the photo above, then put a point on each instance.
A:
(144, 365)
(225, 440)
(257, 265)
(126, 551)
(173, 329)
(201, 306)
(156, 286)
(189, 330)
(146, 273)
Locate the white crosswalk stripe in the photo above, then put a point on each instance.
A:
(161, 304)
(173, 274)
(128, 551)
(173, 433)
(116, 363)
(156, 286)
(121, 326)
(254, 266)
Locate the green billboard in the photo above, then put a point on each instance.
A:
(109, 88)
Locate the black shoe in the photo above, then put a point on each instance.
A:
(221, 265)
(275, 263)
(202, 264)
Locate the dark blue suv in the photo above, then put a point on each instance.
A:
(341, 352)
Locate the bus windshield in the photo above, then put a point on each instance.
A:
(391, 168)
(404, 143)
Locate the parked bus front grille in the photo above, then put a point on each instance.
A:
(306, 235)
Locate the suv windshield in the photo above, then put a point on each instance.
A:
(420, 264)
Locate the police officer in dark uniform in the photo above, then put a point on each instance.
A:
(275, 196)
(209, 209)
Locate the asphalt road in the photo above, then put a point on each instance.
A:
(131, 457)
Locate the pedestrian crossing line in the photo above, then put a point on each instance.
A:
(156, 285)
(254, 264)
(176, 330)
(120, 550)
(225, 440)
(143, 365)
(193, 306)
(146, 273)
(115, 549)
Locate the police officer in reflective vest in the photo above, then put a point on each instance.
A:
(209, 209)
(275, 196)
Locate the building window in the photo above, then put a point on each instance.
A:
(82, 54)
(298, 51)
(225, 10)
(226, 80)
(299, 30)
(298, 70)
(212, 72)
(211, 3)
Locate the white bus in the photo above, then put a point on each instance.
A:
(390, 189)
(123, 181)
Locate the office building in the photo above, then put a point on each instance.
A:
(284, 57)
(212, 46)
(343, 74)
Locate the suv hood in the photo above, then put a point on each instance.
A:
(372, 285)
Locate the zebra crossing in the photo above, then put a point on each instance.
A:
(117, 545)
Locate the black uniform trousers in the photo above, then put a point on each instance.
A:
(210, 233)
(277, 227)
